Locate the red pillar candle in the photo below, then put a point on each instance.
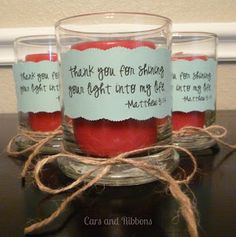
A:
(104, 138)
(194, 118)
(43, 121)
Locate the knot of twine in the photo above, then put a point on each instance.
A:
(215, 132)
(37, 140)
(103, 166)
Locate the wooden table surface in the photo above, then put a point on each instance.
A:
(144, 210)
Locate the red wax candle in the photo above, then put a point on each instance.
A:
(194, 118)
(43, 121)
(104, 138)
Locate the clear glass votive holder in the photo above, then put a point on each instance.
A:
(194, 67)
(36, 74)
(116, 77)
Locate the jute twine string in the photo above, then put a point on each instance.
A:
(103, 166)
(38, 139)
(216, 132)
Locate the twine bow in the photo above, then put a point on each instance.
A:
(103, 166)
(215, 132)
(38, 139)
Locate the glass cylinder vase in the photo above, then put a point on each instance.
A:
(116, 90)
(36, 74)
(194, 65)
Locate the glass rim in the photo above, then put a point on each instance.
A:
(194, 33)
(166, 21)
(20, 40)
